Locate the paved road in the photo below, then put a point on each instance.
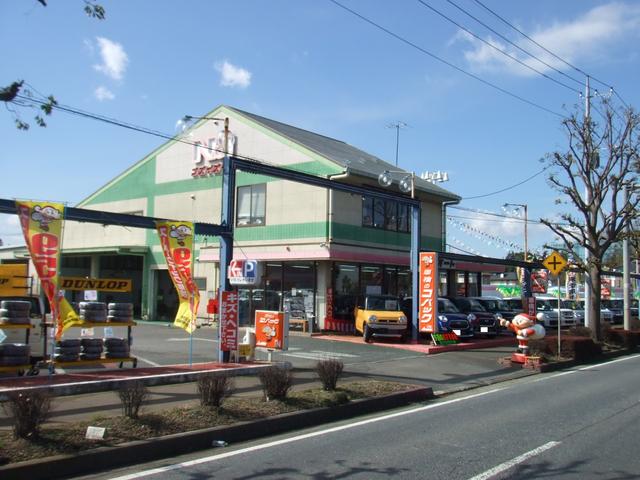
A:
(581, 423)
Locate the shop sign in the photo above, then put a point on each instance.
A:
(428, 292)
(208, 155)
(445, 338)
(229, 321)
(99, 284)
(539, 281)
(272, 330)
(244, 272)
(13, 279)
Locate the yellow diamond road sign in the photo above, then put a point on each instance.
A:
(555, 263)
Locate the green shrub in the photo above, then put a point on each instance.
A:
(329, 372)
(213, 389)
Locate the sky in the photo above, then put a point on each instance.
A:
(464, 107)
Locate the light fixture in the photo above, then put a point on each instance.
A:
(405, 184)
(385, 179)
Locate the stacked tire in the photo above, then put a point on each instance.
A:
(93, 312)
(91, 348)
(120, 312)
(15, 312)
(68, 350)
(116, 347)
(14, 354)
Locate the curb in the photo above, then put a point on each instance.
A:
(105, 458)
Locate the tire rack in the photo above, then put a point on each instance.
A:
(19, 369)
(101, 361)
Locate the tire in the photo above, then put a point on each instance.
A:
(14, 349)
(92, 306)
(367, 334)
(118, 354)
(92, 317)
(65, 358)
(70, 342)
(15, 305)
(117, 311)
(13, 360)
(119, 318)
(15, 320)
(91, 342)
(92, 350)
(115, 342)
(121, 306)
(67, 350)
(90, 356)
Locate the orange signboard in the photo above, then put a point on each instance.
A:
(428, 293)
(270, 330)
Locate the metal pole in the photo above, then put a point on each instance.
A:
(559, 315)
(397, 141)
(415, 258)
(526, 256)
(626, 278)
(587, 281)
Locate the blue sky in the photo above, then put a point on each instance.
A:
(315, 65)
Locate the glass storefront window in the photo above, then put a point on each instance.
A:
(346, 286)
(371, 280)
(404, 282)
(299, 289)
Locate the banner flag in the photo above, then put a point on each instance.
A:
(176, 240)
(41, 224)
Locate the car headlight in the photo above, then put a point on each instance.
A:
(443, 319)
(402, 319)
(499, 316)
(372, 318)
(471, 317)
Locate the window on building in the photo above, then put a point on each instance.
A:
(251, 205)
(385, 214)
(201, 282)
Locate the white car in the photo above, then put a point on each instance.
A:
(577, 306)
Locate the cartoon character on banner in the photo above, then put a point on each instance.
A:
(525, 328)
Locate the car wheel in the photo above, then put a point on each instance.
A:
(367, 333)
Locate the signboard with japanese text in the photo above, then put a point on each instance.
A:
(428, 291)
(272, 330)
(229, 321)
(244, 272)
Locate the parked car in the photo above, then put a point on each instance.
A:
(380, 316)
(547, 313)
(616, 305)
(497, 306)
(449, 319)
(577, 307)
(483, 321)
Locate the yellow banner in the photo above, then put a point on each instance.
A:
(41, 224)
(176, 239)
(14, 279)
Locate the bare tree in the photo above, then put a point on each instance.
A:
(592, 175)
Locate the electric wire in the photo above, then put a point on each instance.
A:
(549, 51)
(510, 187)
(442, 60)
(515, 59)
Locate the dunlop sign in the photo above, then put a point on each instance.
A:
(100, 284)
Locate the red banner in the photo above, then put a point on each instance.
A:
(270, 330)
(229, 321)
(428, 301)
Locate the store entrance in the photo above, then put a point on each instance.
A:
(166, 297)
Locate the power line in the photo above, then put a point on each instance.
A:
(509, 188)
(515, 59)
(549, 51)
(442, 60)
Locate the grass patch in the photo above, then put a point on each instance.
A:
(69, 438)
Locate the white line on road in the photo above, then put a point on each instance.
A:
(153, 364)
(188, 340)
(296, 438)
(514, 461)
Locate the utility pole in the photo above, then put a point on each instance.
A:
(587, 282)
(626, 277)
(397, 125)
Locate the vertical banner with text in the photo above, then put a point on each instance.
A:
(229, 321)
(41, 224)
(428, 301)
(176, 240)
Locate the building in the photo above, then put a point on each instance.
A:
(318, 248)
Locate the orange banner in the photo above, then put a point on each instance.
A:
(41, 224)
(428, 301)
(270, 330)
(176, 239)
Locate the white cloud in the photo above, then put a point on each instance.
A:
(103, 93)
(114, 58)
(587, 36)
(232, 76)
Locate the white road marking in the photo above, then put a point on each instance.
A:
(319, 355)
(514, 461)
(296, 438)
(188, 339)
(153, 364)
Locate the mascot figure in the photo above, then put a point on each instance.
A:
(525, 328)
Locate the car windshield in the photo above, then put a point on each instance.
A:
(446, 306)
(475, 305)
(494, 305)
(544, 305)
(572, 304)
(380, 303)
(617, 304)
